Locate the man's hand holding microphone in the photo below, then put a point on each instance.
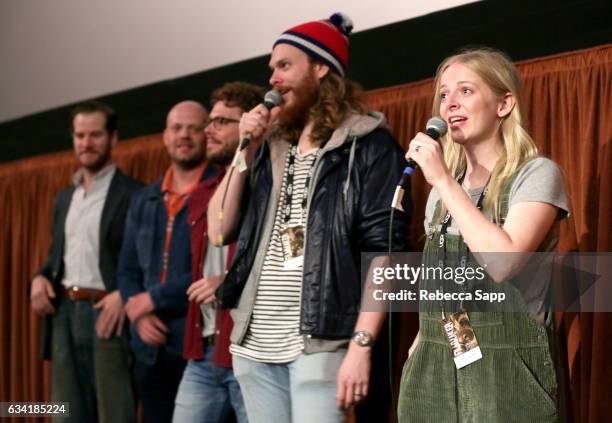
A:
(255, 123)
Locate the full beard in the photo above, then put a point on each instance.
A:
(304, 97)
(224, 155)
(100, 163)
(190, 162)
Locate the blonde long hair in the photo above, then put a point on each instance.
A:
(500, 74)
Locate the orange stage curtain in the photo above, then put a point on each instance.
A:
(568, 110)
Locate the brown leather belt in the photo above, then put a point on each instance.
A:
(84, 294)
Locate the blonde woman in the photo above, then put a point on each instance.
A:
(491, 193)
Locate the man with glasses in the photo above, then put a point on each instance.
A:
(155, 262)
(209, 391)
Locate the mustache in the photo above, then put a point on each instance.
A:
(89, 150)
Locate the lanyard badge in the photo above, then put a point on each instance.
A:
(457, 327)
(292, 241)
(292, 236)
(461, 339)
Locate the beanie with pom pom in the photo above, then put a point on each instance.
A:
(325, 40)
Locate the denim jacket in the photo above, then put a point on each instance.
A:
(140, 265)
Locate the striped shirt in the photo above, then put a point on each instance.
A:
(273, 333)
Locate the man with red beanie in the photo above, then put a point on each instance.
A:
(321, 176)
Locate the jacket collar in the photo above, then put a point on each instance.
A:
(78, 177)
(354, 126)
(156, 187)
(112, 201)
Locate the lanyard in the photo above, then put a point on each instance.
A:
(463, 248)
(291, 186)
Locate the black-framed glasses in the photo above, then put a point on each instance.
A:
(220, 121)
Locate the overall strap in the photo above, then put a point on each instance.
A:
(504, 206)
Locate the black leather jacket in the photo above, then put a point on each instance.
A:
(348, 214)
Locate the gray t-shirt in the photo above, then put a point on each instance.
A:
(540, 180)
(214, 265)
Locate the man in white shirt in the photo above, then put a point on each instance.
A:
(76, 288)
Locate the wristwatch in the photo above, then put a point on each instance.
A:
(363, 338)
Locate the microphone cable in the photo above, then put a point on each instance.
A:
(435, 128)
(271, 99)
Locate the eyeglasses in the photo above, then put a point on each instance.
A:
(220, 121)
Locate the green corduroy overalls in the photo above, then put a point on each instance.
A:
(516, 379)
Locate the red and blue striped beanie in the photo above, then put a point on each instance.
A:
(325, 40)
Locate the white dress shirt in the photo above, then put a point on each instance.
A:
(82, 231)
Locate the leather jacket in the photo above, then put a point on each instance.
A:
(352, 188)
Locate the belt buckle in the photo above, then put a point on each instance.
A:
(72, 292)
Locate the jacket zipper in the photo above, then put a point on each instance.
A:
(313, 183)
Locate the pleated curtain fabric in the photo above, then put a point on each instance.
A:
(568, 109)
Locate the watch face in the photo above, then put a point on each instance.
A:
(362, 338)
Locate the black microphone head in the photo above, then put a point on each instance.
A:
(272, 99)
(436, 127)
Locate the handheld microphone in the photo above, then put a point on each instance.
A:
(435, 128)
(272, 99)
